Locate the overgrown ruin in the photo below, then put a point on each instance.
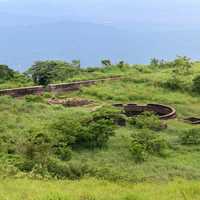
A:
(164, 112)
(192, 120)
(70, 102)
(55, 88)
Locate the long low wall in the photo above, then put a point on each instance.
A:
(64, 87)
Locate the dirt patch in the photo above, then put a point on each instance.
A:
(71, 102)
(163, 111)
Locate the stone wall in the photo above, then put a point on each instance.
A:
(64, 87)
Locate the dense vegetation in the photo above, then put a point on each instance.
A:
(43, 141)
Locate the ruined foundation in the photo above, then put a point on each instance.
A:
(71, 102)
(55, 88)
(164, 112)
(192, 120)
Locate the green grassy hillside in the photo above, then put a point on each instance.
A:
(92, 189)
(109, 171)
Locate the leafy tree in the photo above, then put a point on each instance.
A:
(85, 130)
(148, 120)
(106, 62)
(76, 63)
(45, 72)
(146, 143)
(6, 73)
(182, 65)
(155, 62)
(121, 64)
(196, 84)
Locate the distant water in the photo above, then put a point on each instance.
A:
(20, 46)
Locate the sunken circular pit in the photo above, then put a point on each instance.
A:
(192, 120)
(71, 102)
(164, 112)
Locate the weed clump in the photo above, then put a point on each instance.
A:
(190, 137)
(148, 120)
(86, 130)
(196, 84)
(147, 143)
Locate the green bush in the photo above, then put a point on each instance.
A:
(173, 83)
(190, 137)
(70, 170)
(34, 98)
(45, 72)
(98, 134)
(63, 151)
(147, 120)
(146, 143)
(7, 144)
(81, 129)
(37, 148)
(107, 112)
(6, 73)
(68, 127)
(196, 84)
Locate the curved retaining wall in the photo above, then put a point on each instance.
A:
(192, 120)
(164, 112)
(64, 87)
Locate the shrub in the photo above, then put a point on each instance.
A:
(182, 65)
(7, 144)
(106, 62)
(37, 149)
(34, 98)
(45, 72)
(147, 143)
(107, 112)
(190, 137)
(68, 127)
(173, 83)
(148, 121)
(63, 151)
(84, 129)
(196, 84)
(6, 73)
(71, 170)
(138, 151)
(99, 133)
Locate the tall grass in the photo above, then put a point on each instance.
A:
(92, 189)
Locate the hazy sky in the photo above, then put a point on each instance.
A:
(117, 12)
(53, 29)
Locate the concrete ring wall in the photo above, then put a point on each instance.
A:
(163, 111)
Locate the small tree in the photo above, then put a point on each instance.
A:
(155, 62)
(148, 120)
(182, 65)
(6, 73)
(76, 63)
(146, 143)
(106, 63)
(45, 72)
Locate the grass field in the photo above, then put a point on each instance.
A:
(92, 189)
(112, 173)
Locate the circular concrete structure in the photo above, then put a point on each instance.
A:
(163, 111)
(192, 120)
(72, 102)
